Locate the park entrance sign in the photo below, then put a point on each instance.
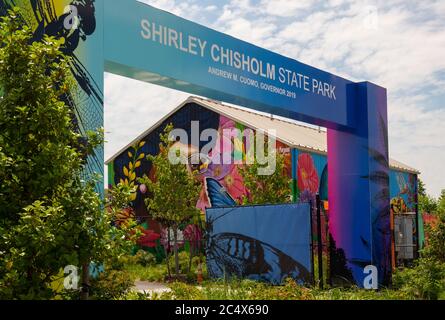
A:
(135, 40)
(152, 45)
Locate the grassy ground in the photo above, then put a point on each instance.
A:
(244, 289)
(250, 290)
(153, 272)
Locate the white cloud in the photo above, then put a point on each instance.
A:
(131, 107)
(399, 45)
(284, 8)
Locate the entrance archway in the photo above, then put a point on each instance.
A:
(135, 40)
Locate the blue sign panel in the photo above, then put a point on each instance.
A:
(146, 41)
(267, 243)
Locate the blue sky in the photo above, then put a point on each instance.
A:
(399, 45)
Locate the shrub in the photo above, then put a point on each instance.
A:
(145, 258)
(426, 280)
(111, 285)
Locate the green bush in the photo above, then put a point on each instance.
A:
(236, 290)
(152, 273)
(426, 280)
(145, 258)
(111, 285)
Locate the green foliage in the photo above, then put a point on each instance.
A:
(174, 191)
(274, 188)
(112, 285)
(145, 258)
(49, 217)
(421, 187)
(119, 197)
(426, 280)
(253, 290)
(427, 204)
(441, 203)
(39, 149)
(156, 272)
(152, 273)
(435, 249)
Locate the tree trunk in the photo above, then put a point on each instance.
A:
(175, 248)
(191, 254)
(84, 295)
(167, 253)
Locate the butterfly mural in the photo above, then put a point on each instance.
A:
(401, 182)
(245, 257)
(242, 256)
(218, 195)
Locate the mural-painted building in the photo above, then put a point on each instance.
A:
(305, 151)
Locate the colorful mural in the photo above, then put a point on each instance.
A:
(403, 192)
(132, 163)
(223, 186)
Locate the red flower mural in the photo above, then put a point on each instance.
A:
(307, 174)
(148, 238)
(203, 201)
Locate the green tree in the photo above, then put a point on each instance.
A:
(49, 217)
(174, 191)
(426, 280)
(427, 204)
(421, 188)
(271, 188)
(441, 203)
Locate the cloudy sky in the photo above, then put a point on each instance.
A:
(399, 45)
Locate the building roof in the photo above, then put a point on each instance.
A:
(287, 131)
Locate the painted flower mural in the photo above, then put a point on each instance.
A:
(218, 171)
(223, 165)
(193, 234)
(148, 238)
(203, 201)
(234, 185)
(307, 174)
(222, 152)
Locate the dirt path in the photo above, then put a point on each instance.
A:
(150, 287)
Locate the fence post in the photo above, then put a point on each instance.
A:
(319, 243)
(311, 203)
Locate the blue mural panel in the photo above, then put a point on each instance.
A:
(266, 243)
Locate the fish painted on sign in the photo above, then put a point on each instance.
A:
(242, 256)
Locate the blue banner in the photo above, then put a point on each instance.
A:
(266, 243)
(143, 42)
